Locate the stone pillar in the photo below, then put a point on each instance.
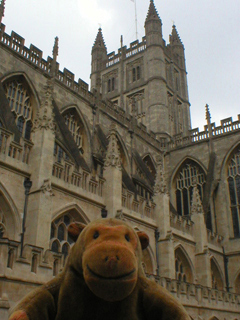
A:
(38, 219)
(113, 175)
(165, 241)
(203, 266)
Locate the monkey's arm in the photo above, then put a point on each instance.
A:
(40, 304)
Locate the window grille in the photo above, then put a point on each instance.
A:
(20, 104)
(234, 190)
(189, 175)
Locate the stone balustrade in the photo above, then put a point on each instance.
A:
(227, 127)
(195, 295)
(145, 208)
(12, 149)
(181, 223)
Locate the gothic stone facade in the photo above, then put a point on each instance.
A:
(123, 149)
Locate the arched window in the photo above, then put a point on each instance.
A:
(234, 190)
(189, 174)
(59, 239)
(55, 267)
(2, 225)
(75, 126)
(237, 284)
(19, 99)
(113, 84)
(133, 74)
(34, 263)
(10, 258)
(217, 282)
(183, 270)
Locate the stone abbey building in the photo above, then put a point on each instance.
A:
(123, 147)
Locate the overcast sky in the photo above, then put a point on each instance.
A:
(209, 30)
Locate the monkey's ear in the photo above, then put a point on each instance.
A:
(74, 229)
(144, 239)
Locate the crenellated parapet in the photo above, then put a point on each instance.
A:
(34, 56)
(226, 127)
(135, 48)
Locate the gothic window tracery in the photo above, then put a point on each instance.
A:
(19, 99)
(179, 270)
(234, 190)
(60, 242)
(2, 225)
(75, 127)
(183, 271)
(189, 175)
(217, 282)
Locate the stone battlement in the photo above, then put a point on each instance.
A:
(34, 55)
(135, 47)
(227, 127)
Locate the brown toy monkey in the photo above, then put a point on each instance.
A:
(103, 280)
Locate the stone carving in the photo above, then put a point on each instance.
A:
(47, 187)
(45, 116)
(160, 183)
(113, 157)
(196, 206)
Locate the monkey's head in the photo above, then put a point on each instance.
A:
(108, 253)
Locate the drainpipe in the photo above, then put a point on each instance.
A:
(225, 259)
(157, 235)
(27, 185)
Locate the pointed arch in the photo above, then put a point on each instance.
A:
(188, 172)
(123, 151)
(217, 275)
(82, 136)
(72, 207)
(15, 75)
(23, 100)
(230, 171)
(12, 218)
(213, 318)
(150, 163)
(186, 273)
(237, 283)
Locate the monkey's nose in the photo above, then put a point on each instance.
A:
(112, 261)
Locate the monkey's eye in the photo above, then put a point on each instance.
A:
(96, 235)
(127, 238)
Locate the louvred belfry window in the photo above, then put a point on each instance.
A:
(234, 190)
(20, 103)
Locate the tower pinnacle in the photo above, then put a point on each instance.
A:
(152, 13)
(2, 8)
(99, 41)
(174, 38)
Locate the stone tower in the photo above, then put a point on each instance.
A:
(157, 110)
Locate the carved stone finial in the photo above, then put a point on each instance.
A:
(160, 183)
(45, 116)
(2, 9)
(196, 206)
(113, 157)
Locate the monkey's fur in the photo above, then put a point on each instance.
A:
(103, 280)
